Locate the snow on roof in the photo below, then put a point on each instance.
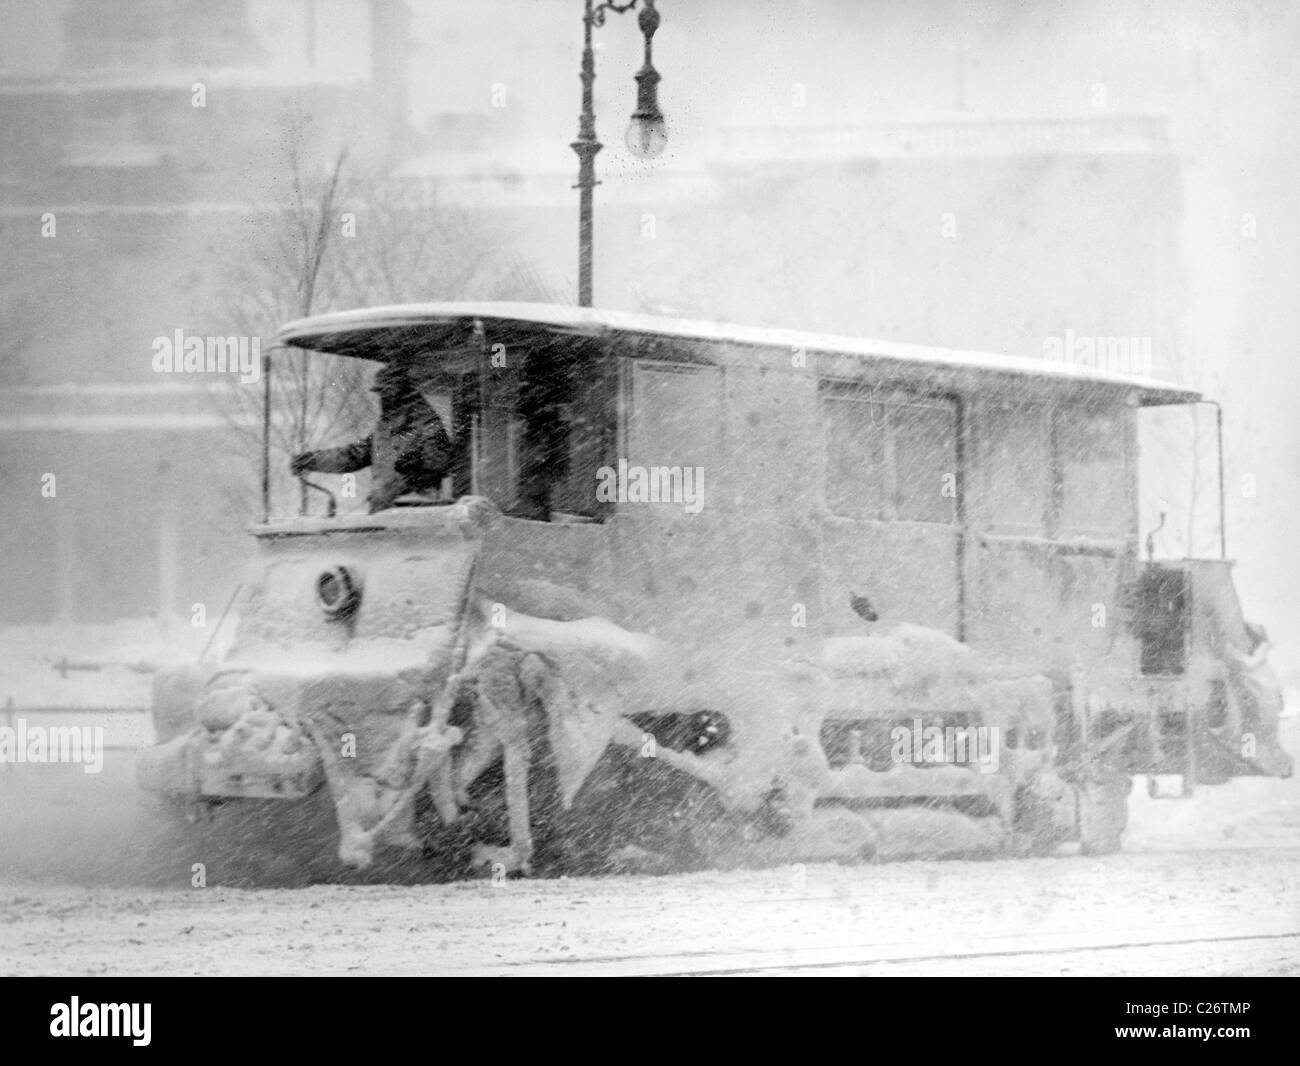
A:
(343, 332)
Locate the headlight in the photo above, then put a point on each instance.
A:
(338, 591)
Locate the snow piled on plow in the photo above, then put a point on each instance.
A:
(591, 672)
(912, 658)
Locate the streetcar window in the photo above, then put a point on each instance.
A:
(676, 417)
(857, 483)
(556, 434)
(1018, 468)
(541, 430)
(891, 458)
(1094, 486)
(925, 461)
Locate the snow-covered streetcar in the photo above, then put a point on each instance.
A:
(677, 594)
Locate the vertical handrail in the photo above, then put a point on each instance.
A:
(1223, 504)
(1223, 497)
(266, 436)
(480, 415)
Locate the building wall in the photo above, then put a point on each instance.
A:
(740, 219)
(139, 522)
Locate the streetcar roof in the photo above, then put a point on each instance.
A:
(374, 332)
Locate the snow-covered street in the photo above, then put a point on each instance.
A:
(1170, 913)
(1206, 886)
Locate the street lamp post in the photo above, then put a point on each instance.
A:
(645, 137)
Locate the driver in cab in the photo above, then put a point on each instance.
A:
(408, 452)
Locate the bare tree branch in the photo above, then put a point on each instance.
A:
(405, 247)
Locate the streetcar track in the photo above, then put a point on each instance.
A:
(786, 959)
(972, 955)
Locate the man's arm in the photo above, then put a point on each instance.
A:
(354, 456)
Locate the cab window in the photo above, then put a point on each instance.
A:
(890, 456)
(541, 429)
